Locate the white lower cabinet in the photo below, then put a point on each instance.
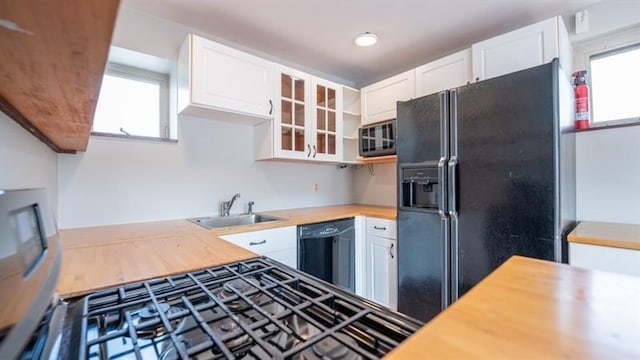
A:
(381, 269)
(280, 244)
(605, 258)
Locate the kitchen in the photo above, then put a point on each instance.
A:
(137, 182)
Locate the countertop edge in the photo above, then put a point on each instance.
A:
(617, 235)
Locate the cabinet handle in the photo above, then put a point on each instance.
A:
(380, 228)
(309, 153)
(477, 79)
(258, 242)
(270, 107)
(391, 251)
(314, 151)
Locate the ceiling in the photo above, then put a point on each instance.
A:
(320, 34)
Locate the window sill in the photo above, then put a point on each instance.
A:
(134, 137)
(609, 126)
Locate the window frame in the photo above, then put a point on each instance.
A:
(147, 76)
(601, 54)
(602, 44)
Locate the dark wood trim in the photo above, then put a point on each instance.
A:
(133, 137)
(14, 114)
(611, 126)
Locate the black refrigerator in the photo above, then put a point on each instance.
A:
(485, 171)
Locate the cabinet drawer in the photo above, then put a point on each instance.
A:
(265, 241)
(381, 227)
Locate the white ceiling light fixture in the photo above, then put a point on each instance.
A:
(366, 39)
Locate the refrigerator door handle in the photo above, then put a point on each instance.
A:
(446, 283)
(451, 184)
(442, 179)
(453, 268)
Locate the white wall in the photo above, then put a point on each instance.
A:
(121, 181)
(376, 187)
(25, 162)
(608, 175)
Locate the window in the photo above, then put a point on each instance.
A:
(132, 102)
(615, 76)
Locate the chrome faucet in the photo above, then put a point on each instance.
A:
(251, 203)
(226, 205)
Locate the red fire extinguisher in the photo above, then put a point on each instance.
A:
(581, 91)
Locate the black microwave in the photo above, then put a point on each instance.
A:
(377, 139)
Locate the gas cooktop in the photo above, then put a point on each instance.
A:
(254, 309)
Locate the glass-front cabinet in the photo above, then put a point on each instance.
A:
(327, 104)
(308, 117)
(292, 115)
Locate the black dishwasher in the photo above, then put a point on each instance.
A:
(327, 251)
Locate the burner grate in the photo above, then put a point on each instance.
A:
(255, 309)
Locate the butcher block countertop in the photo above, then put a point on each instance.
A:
(536, 309)
(96, 258)
(626, 236)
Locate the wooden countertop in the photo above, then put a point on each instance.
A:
(531, 308)
(96, 258)
(626, 236)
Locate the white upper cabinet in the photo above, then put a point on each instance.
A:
(327, 132)
(307, 123)
(526, 47)
(215, 79)
(378, 100)
(446, 73)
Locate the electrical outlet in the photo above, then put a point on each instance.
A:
(315, 187)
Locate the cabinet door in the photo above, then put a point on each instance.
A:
(446, 73)
(228, 79)
(529, 46)
(292, 115)
(605, 258)
(382, 271)
(378, 100)
(327, 125)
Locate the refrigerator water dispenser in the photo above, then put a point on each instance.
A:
(420, 186)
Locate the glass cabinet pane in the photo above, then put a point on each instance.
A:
(286, 138)
(331, 98)
(299, 87)
(299, 114)
(321, 143)
(285, 82)
(299, 140)
(331, 139)
(331, 121)
(286, 112)
(321, 119)
(321, 91)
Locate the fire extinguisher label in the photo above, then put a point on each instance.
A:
(582, 115)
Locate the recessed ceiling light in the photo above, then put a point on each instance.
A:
(366, 39)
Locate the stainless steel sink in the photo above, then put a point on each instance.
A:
(213, 222)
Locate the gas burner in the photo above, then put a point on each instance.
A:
(195, 336)
(330, 348)
(243, 287)
(149, 313)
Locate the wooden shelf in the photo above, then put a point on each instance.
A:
(377, 159)
(52, 69)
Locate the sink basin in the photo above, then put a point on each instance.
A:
(213, 222)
